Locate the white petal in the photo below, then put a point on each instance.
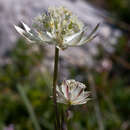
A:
(59, 90)
(83, 96)
(89, 37)
(85, 101)
(24, 34)
(60, 100)
(80, 99)
(44, 37)
(49, 34)
(27, 29)
(94, 30)
(76, 93)
(73, 39)
(60, 95)
(87, 93)
(19, 30)
(65, 89)
(86, 40)
(81, 102)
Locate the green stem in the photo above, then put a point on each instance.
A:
(29, 108)
(55, 75)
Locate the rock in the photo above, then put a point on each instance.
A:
(13, 11)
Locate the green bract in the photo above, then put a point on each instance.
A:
(58, 26)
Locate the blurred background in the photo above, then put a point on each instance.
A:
(103, 65)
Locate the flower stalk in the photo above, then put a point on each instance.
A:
(55, 75)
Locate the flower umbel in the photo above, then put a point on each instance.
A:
(57, 26)
(72, 92)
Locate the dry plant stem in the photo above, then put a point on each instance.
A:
(55, 75)
(95, 99)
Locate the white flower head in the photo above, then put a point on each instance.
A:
(72, 92)
(57, 26)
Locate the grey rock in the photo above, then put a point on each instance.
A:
(13, 11)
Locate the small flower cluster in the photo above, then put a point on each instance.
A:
(58, 26)
(72, 92)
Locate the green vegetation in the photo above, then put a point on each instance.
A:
(119, 9)
(24, 69)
